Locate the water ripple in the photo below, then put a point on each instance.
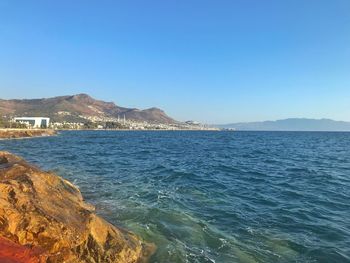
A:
(213, 197)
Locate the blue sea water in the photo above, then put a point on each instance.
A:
(212, 196)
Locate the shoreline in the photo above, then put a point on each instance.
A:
(25, 133)
(6, 134)
(139, 130)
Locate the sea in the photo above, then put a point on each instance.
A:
(208, 196)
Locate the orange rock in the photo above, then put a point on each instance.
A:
(11, 252)
(48, 213)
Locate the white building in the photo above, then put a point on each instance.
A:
(34, 122)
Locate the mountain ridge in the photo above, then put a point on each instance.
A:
(290, 124)
(78, 108)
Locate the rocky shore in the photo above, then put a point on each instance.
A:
(43, 218)
(25, 133)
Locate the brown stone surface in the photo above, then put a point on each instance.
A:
(24, 133)
(47, 214)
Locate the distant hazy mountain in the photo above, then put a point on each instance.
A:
(78, 108)
(293, 124)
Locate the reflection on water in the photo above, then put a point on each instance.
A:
(213, 196)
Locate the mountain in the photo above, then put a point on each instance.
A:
(78, 108)
(292, 124)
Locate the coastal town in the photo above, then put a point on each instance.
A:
(97, 123)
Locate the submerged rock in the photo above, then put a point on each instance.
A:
(45, 218)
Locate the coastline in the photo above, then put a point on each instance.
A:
(25, 133)
(35, 133)
(141, 130)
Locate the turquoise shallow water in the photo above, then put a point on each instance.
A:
(213, 196)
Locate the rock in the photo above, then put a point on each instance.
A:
(45, 217)
(25, 133)
(11, 252)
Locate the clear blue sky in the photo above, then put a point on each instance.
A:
(216, 61)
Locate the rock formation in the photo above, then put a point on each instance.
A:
(43, 218)
(24, 133)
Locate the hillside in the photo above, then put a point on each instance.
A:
(78, 108)
(292, 124)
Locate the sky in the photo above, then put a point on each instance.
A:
(214, 61)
